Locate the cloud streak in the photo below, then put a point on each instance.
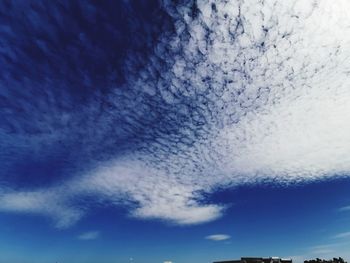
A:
(218, 237)
(342, 235)
(344, 208)
(237, 93)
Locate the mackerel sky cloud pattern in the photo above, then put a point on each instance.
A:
(224, 93)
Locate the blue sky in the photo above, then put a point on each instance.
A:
(298, 221)
(189, 131)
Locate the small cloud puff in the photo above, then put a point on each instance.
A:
(91, 235)
(218, 237)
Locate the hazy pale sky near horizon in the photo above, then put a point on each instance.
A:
(190, 131)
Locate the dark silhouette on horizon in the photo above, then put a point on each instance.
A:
(318, 260)
(280, 260)
(258, 260)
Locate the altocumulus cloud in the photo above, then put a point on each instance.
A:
(231, 92)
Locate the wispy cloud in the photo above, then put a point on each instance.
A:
(344, 208)
(49, 203)
(342, 235)
(218, 237)
(322, 251)
(91, 235)
(325, 246)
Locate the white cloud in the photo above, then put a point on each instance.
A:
(91, 235)
(179, 213)
(218, 237)
(125, 182)
(157, 194)
(268, 88)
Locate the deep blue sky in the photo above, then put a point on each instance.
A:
(188, 131)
